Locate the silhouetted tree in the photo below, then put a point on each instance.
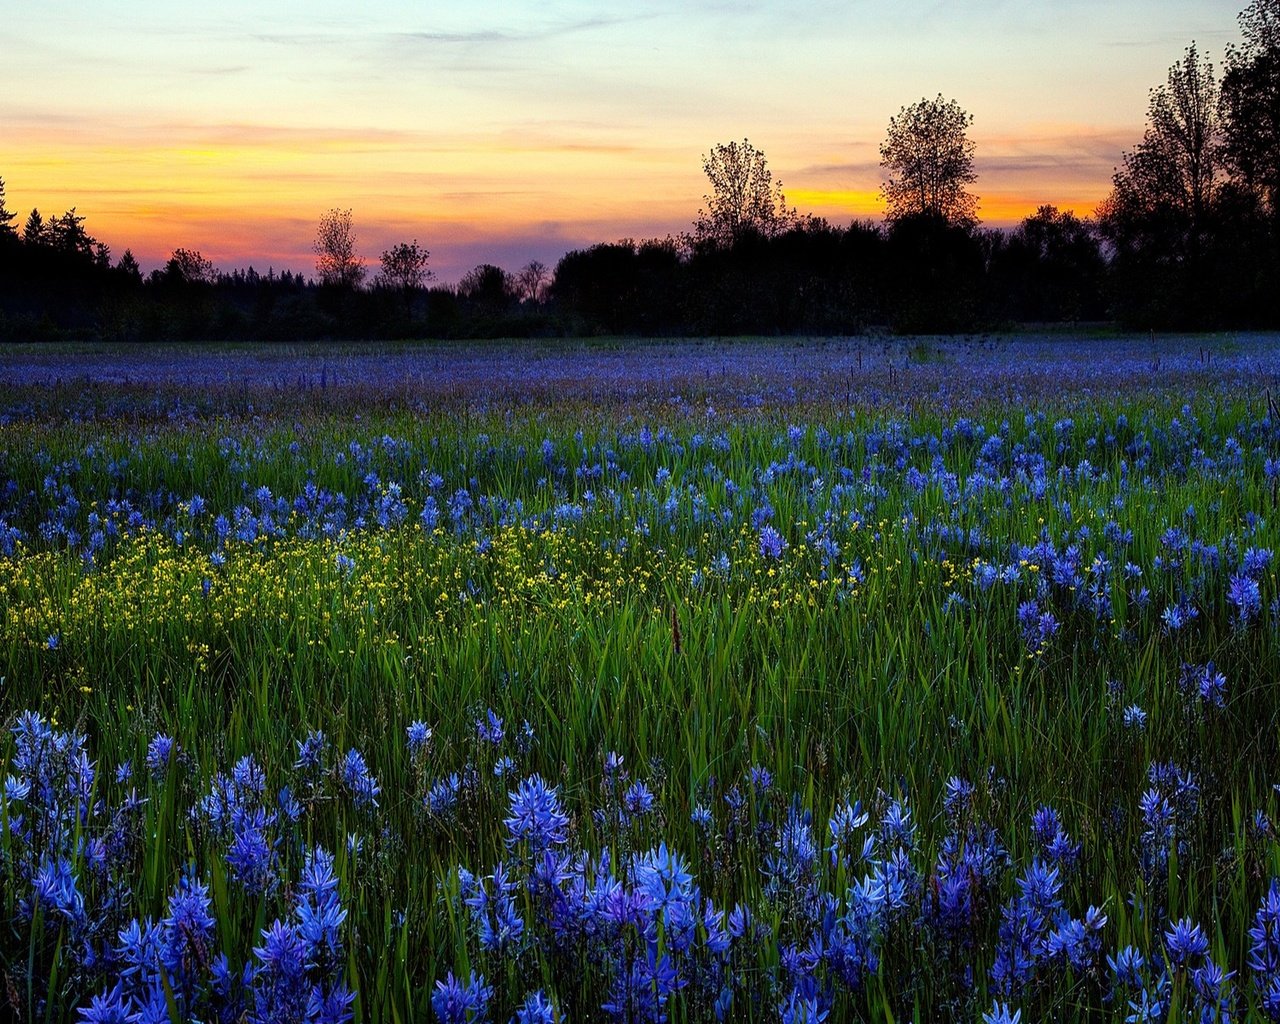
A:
(1169, 180)
(6, 216)
(619, 288)
(188, 266)
(1250, 104)
(488, 287)
(337, 262)
(66, 235)
(935, 270)
(532, 281)
(1050, 268)
(1158, 216)
(744, 198)
(404, 267)
(127, 266)
(929, 157)
(33, 229)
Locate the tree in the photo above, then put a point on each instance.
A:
(744, 199)
(929, 157)
(1163, 194)
(335, 249)
(6, 216)
(1166, 218)
(188, 266)
(1250, 103)
(488, 286)
(1051, 267)
(404, 267)
(128, 267)
(532, 281)
(33, 229)
(67, 235)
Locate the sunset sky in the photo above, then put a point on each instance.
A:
(518, 130)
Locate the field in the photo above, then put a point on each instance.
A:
(766, 679)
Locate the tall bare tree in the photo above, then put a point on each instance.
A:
(337, 262)
(532, 281)
(744, 199)
(929, 157)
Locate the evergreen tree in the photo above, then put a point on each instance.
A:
(6, 216)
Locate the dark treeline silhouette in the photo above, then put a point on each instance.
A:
(1189, 237)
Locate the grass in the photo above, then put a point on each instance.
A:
(612, 627)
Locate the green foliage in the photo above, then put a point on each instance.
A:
(839, 689)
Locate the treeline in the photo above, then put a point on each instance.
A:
(1189, 238)
(914, 274)
(50, 292)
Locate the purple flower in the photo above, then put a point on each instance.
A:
(536, 1009)
(490, 728)
(360, 783)
(419, 734)
(535, 816)
(455, 1003)
(638, 800)
(1245, 597)
(771, 543)
(161, 752)
(1000, 1013)
(1186, 943)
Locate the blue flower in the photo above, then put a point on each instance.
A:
(1245, 597)
(535, 816)
(455, 1003)
(252, 857)
(637, 801)
(282, 988)
(109, 1008)
(490, 728)
(1176, 616)
(771, 543)
(1186, 943)
(419, 734)
(161, 752)
(360, 783)
(1255, 561)
(1000, 1013)
(663, 876)
(536, 1009)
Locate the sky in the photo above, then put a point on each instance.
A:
(501, 131)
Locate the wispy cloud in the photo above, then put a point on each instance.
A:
(534, 33)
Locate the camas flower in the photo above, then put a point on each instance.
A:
(419, 735)
(456, 1003)
(771, 543)
(1186, 943)
(362, 786)
(535, 815)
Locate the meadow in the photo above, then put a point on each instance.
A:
(756, 679)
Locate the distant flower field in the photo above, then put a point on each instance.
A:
(906, 680)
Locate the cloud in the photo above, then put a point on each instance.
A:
(490, 36)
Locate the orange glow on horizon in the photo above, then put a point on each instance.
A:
(245, 194)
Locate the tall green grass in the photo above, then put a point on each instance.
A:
(841, 690)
